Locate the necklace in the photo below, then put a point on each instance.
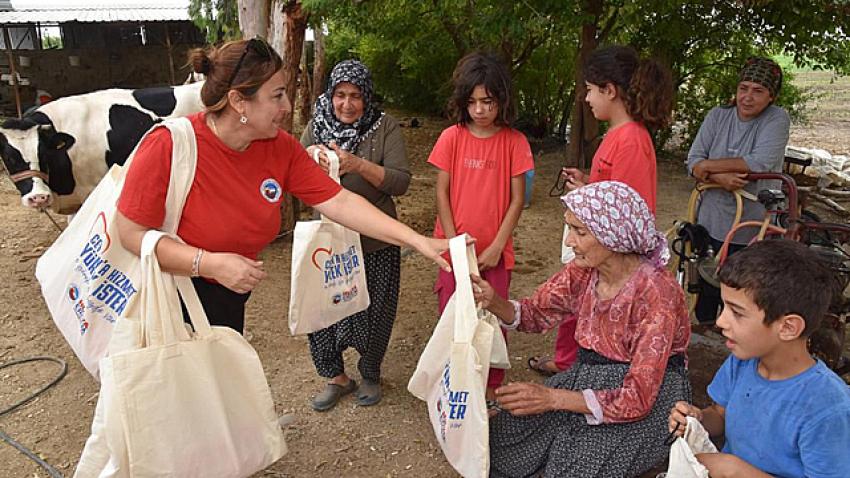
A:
(215, 130)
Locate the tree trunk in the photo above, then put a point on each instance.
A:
(565, 115)
(253, 18)
(287, 25)
(318, 61)
(584, 128)
(304, 90)
(286, 34)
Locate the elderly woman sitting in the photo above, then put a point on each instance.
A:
(606, 416)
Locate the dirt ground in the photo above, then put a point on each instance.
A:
(391, 439)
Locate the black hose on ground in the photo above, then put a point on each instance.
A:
(6, 438)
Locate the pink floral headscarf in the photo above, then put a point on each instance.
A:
(619, 219)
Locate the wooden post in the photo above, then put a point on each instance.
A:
(14, 71)
(170, 55)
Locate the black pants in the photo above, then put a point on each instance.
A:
(222, 305)
(709, 301)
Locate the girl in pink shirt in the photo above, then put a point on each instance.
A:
(481, 163)
(633, 96)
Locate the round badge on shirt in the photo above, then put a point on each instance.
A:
(271, 190)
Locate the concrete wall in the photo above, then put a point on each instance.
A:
(119, 67)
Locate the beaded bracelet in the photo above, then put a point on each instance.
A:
(196, 263)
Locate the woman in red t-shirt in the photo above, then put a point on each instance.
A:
(245, 164)
(633, 96)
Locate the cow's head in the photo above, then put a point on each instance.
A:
(36, 157)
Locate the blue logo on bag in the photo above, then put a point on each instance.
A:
(338, 268)
(451, 405)
(100, 289)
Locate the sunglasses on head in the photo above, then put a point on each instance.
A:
(259, 47)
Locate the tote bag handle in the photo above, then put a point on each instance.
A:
(333, 169)
(333, 163)
(184, 161)
(463, 261)
(162, 319)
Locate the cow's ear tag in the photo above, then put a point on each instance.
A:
(60, 145)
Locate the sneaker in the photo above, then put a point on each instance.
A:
(329, 397)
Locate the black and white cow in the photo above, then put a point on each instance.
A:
(57, 154)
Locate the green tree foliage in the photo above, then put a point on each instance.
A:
(50, 41)
(219, 19)
(412, 45)
(705, 44)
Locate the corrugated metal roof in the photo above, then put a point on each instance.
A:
(99, 13)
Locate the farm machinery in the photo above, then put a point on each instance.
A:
(694, 257)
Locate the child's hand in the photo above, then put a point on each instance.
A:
(489, 258)
(575, 178)
(679, 416)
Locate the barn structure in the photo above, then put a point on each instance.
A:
(71, 47)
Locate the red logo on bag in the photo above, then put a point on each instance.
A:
(101, 219)
(313, 257)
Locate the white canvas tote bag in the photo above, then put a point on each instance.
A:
(328, 280)
(451, 375)
(87, 278)
(499, 352)
(180, 403)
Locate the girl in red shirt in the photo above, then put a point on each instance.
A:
(633, 96)
(481, 164)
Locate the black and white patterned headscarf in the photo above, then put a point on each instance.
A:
(327, 127)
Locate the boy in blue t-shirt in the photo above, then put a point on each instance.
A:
(783, 413)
